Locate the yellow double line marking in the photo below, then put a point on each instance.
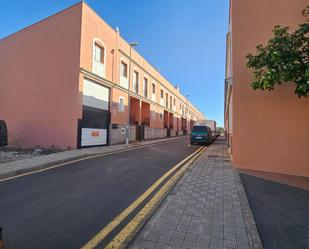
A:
(129, 231)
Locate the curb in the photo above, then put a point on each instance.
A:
(61, 162)
(125, 238)
(253, 234)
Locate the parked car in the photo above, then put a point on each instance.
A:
(3, 133)
(214, 135)
(201, 134)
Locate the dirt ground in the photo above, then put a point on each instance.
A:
(8, 154)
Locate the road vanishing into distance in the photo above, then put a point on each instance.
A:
(66, 207)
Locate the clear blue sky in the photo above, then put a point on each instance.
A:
(184, 39)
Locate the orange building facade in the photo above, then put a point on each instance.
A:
(64, 83)
(266, 131)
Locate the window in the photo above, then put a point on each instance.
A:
(135, 82)
(171, 102)
(98, 58)
(124, 77)
(166, 100)
(162, 98)
(98, 53)
(200, 129)
(123, 69)
(121, 107)
(174, 105)
(153, 92)
(145, 88)
(161, 116)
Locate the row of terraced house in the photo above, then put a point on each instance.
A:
(64, 83)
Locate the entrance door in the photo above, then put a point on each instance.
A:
(96, 115)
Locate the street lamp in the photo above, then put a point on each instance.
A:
(186, 112)
(132, 44)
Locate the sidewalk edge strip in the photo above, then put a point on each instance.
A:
(124, 237)
(252, 231)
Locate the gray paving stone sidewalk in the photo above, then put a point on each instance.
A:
(208, 208)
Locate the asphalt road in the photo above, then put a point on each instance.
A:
(281, 213)
(65, 207)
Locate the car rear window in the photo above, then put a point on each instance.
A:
(199, 129)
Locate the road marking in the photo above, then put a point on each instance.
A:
(116, 221)
(130, 230)
(82, 159)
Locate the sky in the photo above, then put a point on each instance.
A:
(185, 39)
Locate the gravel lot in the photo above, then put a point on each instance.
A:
(8, 154)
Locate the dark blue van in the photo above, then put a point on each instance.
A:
(201, 134)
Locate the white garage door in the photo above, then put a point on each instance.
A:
(91, 136)
(95, 95)
(95, 108)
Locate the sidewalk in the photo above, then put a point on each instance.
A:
(208, 208)
(42, 162)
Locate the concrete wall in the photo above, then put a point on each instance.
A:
(270, 129)
(153, 133)
(173, 132)
(39, 67)
(179, 132)
(117, 137)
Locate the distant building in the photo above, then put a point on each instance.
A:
(267, 131)
(64, 81)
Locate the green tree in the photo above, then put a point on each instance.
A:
(221, 129)
(285, 58)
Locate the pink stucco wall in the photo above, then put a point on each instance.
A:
(270, 129)
(39, 65)
(42, 70)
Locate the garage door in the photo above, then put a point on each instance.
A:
(96, 115)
